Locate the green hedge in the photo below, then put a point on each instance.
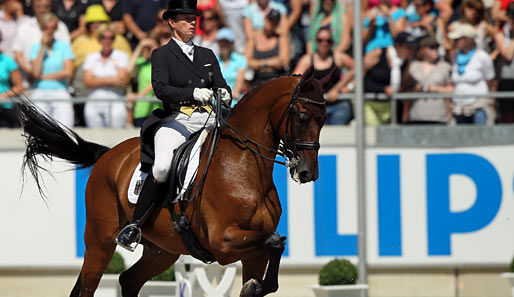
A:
(168, 275)
(117, 264)
(338, 272)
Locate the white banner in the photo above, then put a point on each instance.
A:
(425, 207)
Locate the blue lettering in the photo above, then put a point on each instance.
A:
(389, 205)
(81, 177)
(280, 178)
(328, 241)
(442, 222)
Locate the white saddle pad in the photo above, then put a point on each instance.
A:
(138, 177)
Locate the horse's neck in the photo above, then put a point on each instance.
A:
(253, 117)
(253, 120)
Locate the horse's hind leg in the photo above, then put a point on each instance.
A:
(153, 262)
(99, 239)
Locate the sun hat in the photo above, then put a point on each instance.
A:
(461, 30)
(96, 13)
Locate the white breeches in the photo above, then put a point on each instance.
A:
(171, 135)
(61, 111)
(105, 114)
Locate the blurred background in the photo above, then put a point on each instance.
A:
(416, 184)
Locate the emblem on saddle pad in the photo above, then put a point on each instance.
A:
(138, 187)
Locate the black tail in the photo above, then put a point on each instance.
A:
(47, 138)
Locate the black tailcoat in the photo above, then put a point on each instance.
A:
(174, 78)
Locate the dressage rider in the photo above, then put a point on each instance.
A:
(183, 77)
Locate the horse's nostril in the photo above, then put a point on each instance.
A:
(305, 176)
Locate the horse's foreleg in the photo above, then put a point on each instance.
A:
(252, 287)
(153, 262)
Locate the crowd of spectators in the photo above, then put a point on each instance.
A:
(58, 50)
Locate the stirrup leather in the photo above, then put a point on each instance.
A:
(132, 245)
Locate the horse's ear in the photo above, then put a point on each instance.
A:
(308, 74)
(331, 77)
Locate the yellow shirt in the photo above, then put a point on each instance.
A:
(86, 44)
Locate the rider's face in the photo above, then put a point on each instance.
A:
(184, 25)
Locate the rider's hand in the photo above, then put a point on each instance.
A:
(202, 95)
(225, 96)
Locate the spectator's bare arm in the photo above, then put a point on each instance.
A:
(240, 80)
(37, 63)
(137, 53)
(247, 27)
(371, 59)
(93, 82)
(448, 88)
(252, 62)
(497, 13)
(24, 65)
(304, 64)
(507, 51)
(346, 34)
(342, 60)
(81, 28)
(296, 13)
(16, 84)
(341, 87)
(66, 73)
(445, 10)
(133, 27)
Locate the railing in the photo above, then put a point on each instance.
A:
(350, 96)
(415, 96)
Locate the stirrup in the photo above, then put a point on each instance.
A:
(133, 245)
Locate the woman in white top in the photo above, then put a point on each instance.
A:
(472, 74)
(106, 75)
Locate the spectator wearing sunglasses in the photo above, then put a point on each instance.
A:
(324, 60)
(427, 74)
(209, 24)
(106, 75)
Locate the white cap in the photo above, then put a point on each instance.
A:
(461, 30)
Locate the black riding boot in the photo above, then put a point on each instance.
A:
(145, 203)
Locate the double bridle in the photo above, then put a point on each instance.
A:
(289, 146)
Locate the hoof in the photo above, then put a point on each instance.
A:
(251, 288)
(275, 242)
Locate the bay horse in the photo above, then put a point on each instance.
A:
(235, 215)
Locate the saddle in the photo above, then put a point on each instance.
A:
(179, 166)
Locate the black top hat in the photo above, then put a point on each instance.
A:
(180, 6)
